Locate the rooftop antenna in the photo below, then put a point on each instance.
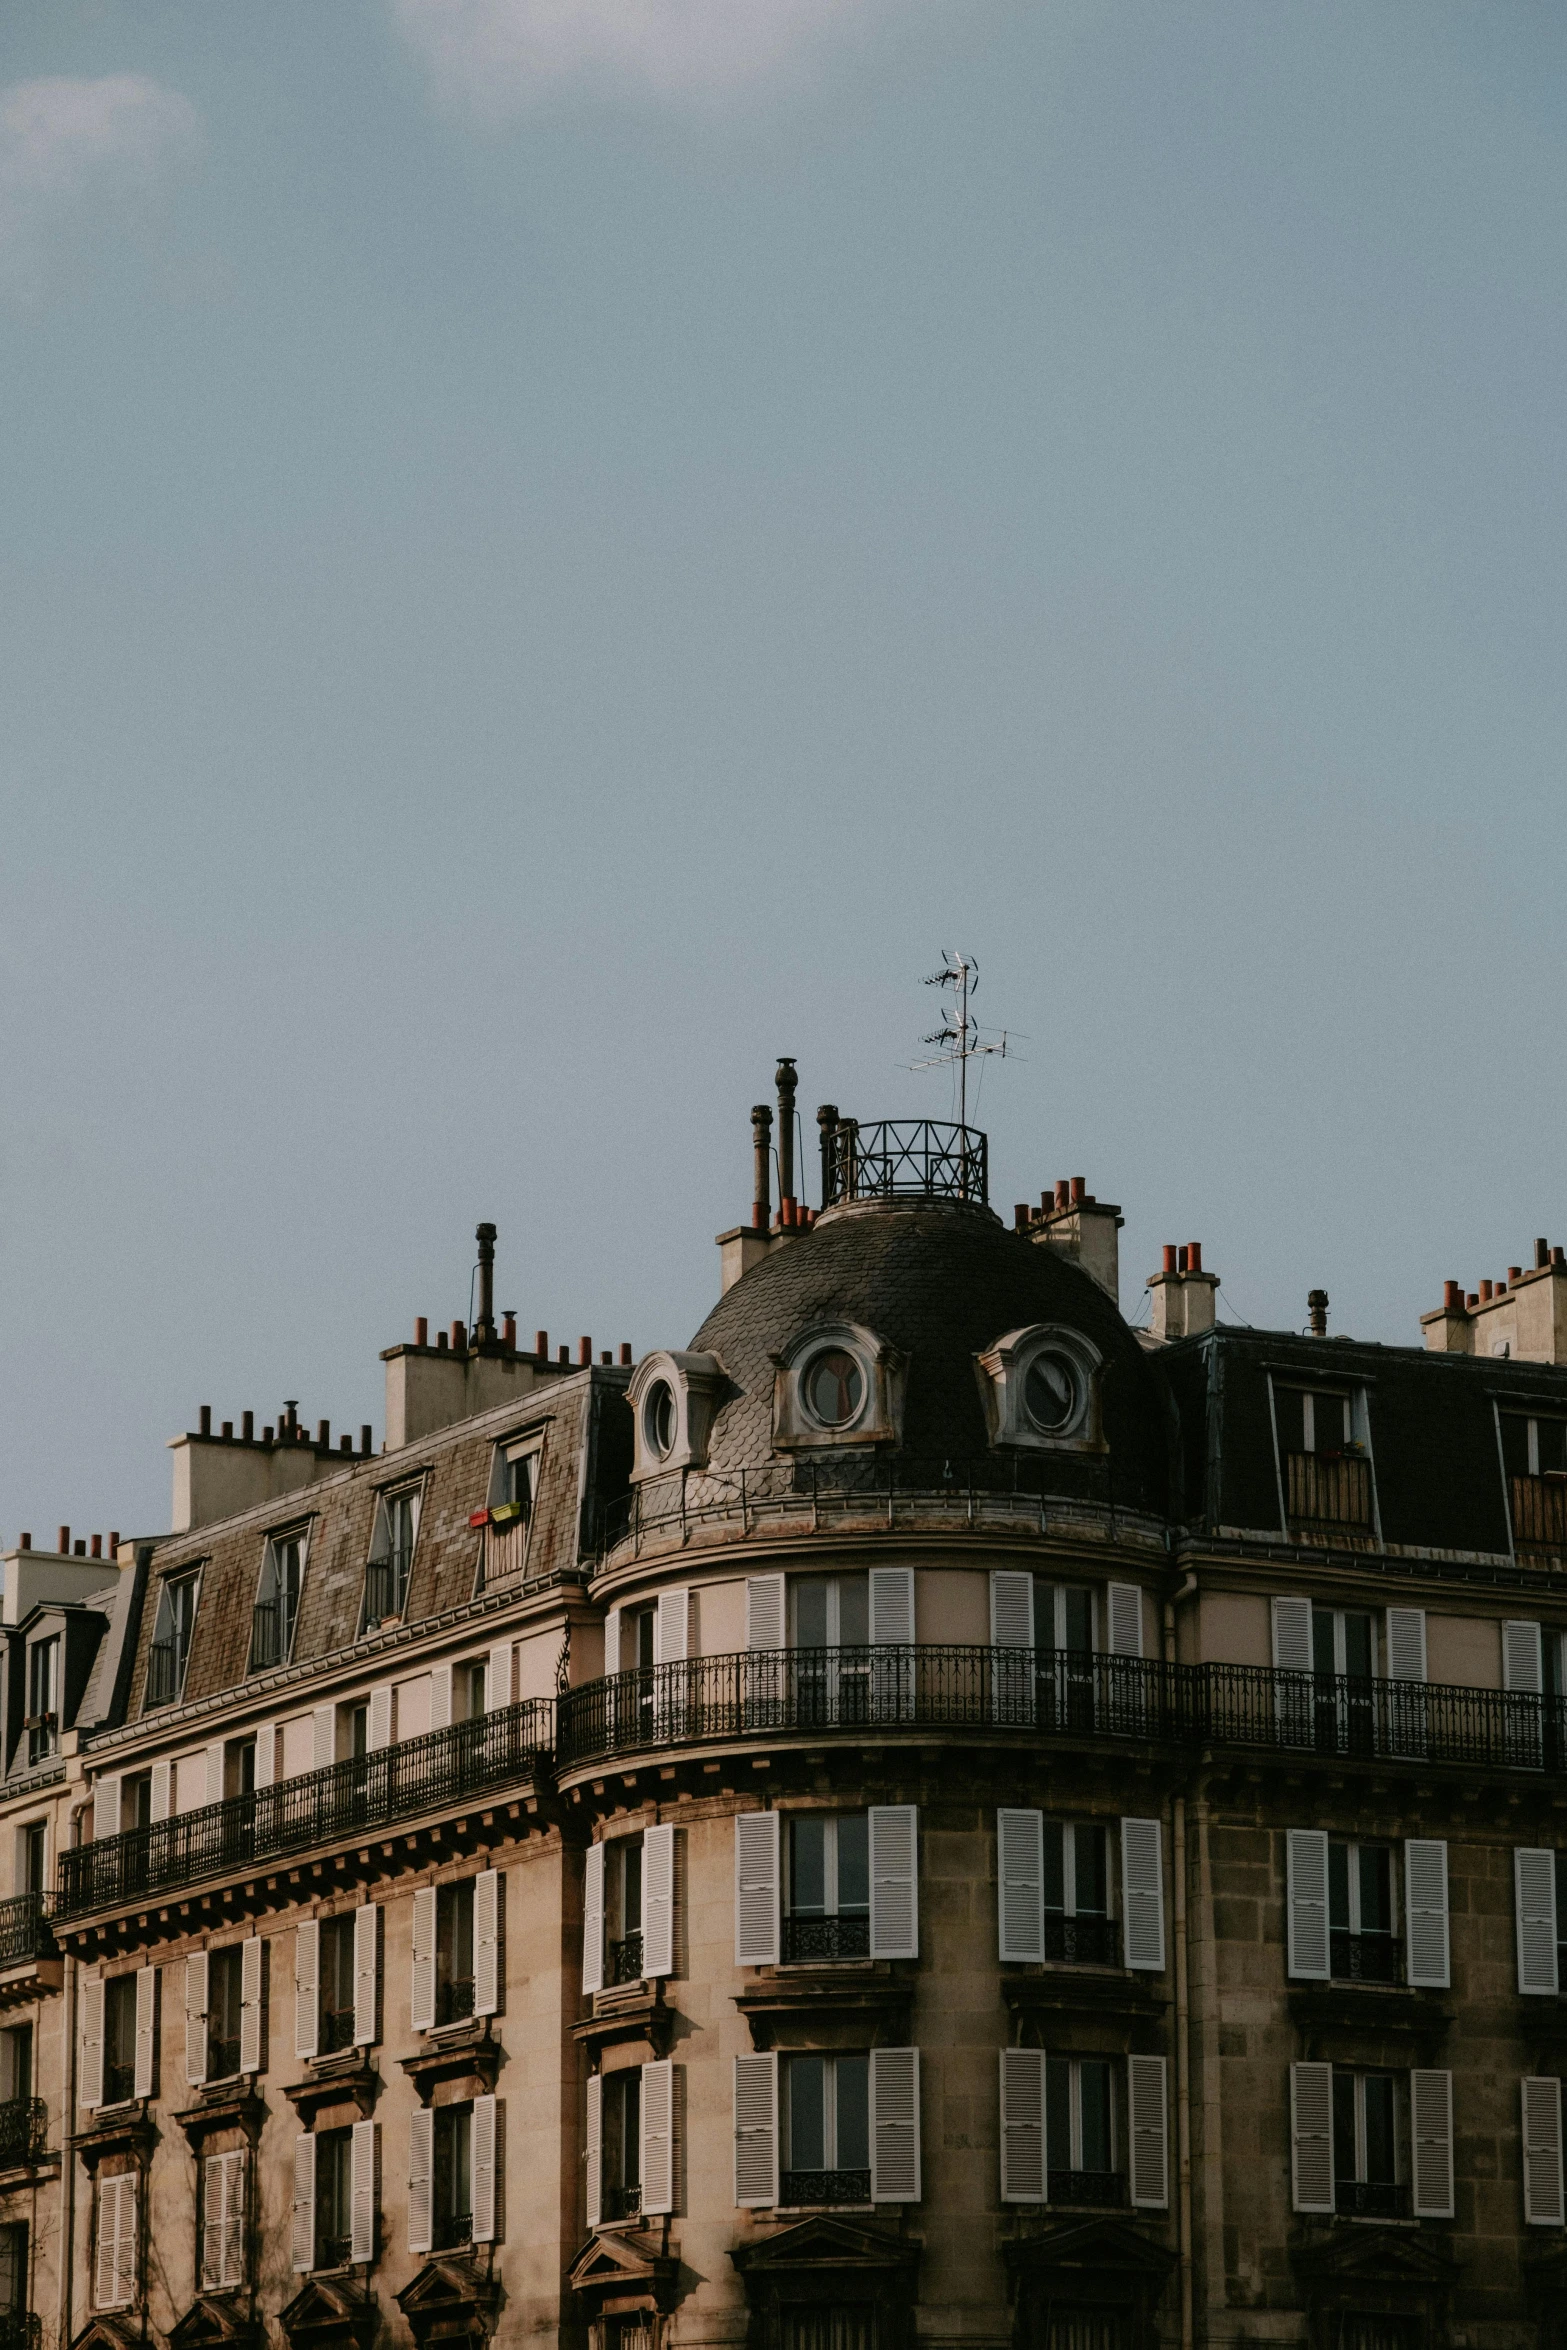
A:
(960, 1036)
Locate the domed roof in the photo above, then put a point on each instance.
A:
(941, 1282)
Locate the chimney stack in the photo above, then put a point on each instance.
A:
(762, 1156)
(1317, 1312)
(785, 1079)
(1185, 1299)
(484, 1328)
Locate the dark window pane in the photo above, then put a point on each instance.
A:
(810, 1617)
(808, 1867)
(1323, 1653)
(642, 1628)
(1058, 2112)
(1055, 1871)
(807, 2113)
(852, 2080)
(1345, 2160)
(1289, 1410)
(1092, 1878)
(1329, 1412)
(1553, 1447)
(1093, 2089)
(1376, 1890)
(1378, 2089)
(854, 1869)
(1338, 1886)
(1515, 1444)
(854, 1610)
(1357, 1645)
(1078, 1628)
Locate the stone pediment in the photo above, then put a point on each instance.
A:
(336, 2308)
(110, 2332)
(453, 2298)
(826, 2242)
(1076, 2245)
(624, 2270)
(213, 2321)
(1385, 2257)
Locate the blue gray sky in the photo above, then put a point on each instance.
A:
(552, 550)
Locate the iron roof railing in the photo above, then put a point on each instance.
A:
(904, 1158)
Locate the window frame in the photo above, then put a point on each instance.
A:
(337, 2146)
(1115, 2091)
(384, 1553)
(178, 1580)
(791, 2066)
(295, 1536)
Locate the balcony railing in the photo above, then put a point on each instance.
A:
(24, 1929)
(1371, 2199)
(621, 2202)
(1082, 1941)
(24, 2137)
(826, 1939)
(824, 2186)
(1365, 1958)
(623, 1960)
(343, 1801)
(1329, 1490)
(1099, 2187)
(1540, 1514)
(454, 1999)
(904, 1158)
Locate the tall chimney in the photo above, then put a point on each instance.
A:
(827, 1124)
(1317, 1309)
(484, 1328)
(785, 1080)
(761, 1152)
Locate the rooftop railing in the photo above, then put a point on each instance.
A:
(904, 1158)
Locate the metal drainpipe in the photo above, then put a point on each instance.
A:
(68, 2119)
(1183, 2083)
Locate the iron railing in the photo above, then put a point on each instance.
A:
(24, 1929)
(1371, 2199)
(1082, 1941)
(336, 2029)
(20, 2329)
(1375, 1721)
(824, 2186)
(1365, 1958)
(119, 2081)
(165, 1671)
(904, 1158)
(1540, 1514)
(1099, 2187)
(24, 2137)
(1329, 1489)
(623, 1960)
(826, 1938)
(271, 1634)
(338, 1803)
(621, 2202)
(454, 1999)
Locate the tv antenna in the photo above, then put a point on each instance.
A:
(960, 1036)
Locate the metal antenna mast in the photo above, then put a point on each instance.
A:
(959, 1035)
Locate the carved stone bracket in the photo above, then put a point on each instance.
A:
(235, 2106)
(471, 2056)
(118, 2129)
(632, 2011)
(350, 2079)
(1087, 2011)
(850, 2006)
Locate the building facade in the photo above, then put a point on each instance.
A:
(928, 1815)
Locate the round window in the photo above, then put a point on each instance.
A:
(658, 1419)
(1053, 1393)
(834, 1386)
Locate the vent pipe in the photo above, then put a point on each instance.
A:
(786, 1081)
(484, 1328)
(1317, 1309)
(761, 1152)
(827, 1124)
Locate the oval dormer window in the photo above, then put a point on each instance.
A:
(658, 1419)
(834, 1388)
(1053, 1392)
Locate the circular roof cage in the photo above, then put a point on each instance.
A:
(907, 1158)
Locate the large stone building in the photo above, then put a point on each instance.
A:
(928, 1814)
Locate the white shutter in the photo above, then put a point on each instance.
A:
(1011, 1609)
(307, 1986)
(672, 1628)
(1146, 2104)
(266, 1754)
(593, 1920)
(1311, 2135)
(1023, 2125)
(487, 1898)
(361, 2177)
(146, 2031)
(215, 1772)
(1292, 1646)
(1425, 1914)
(421, 1998)
(895, 2124)
(1534, 1892)
(379, 1730)
(125, 2250)
(108, 2241)
(161, 1792)
(367, 1971)
(440, 1697)
(612, 1641)
(892, 1607)
(1431, 2135)
(1523, 1662)
(486, 2170)
(92, 2039)
(116, 2281)
(1306, 1870)
(756, 2131)
(658, 1905)
(500, 1685)
(223, 2221)
(757, 1890)
(196, 2018)
(894, 1858)
(304, 2248)
(657, 2123)
(1020, 1893)
(764, 1611)
(251, 2008)
(1124, 1619)
(323, 1736)
(1542, 2152)
(421, 2179)
(1406, 1643)
(595, 2148)
(106, 1809)
(1142, 1895)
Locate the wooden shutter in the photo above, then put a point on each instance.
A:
(500, 1686)
(1020, 1891)
(161, 1792)
(252, 2008)
(1431, 2137)
(304, 2203)
(266, 1754)
(756, 2131)
(894, 1858)
(1542, 2152)
(488, 1893)
(146, 2032)
(379, 1730)
(672, 1628)
(892, 1607)
(757, 1890)
(657, 2123)
(1011, 1609)
(367, 1972)
(486, 2170)
(1306, 1872)
(595, 2148)
(1311, 2135)
(440, 1697)
(421, 1999)
(323, 1736)
(1142, 1895)
(1023, 2125)
(764, 1611)
(1124, 1619)
(1425, 1914)
(1534, 1892)
(196, 2018)
(1523, 1661)
(106, 1809)
(1146, 2105)
(92, 2039)
(895, 2124)
(1291, 1641)
(658, 1905)
(1406, 1643)
(421, 2179)
(593, 1920)
(362, 2198)
(307, 1986)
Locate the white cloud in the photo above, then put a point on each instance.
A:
(77, 157)
(494, 57)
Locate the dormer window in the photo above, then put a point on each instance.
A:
(277, 1600)
(837, 1385)
(171, 1634)
(43, 1699)
(508, 1513)
(1041, 1390)
(673, 1397)
(1324, 1463)
(391, 1556)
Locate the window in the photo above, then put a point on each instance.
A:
(225, 1999)
(1534, 1455)
(658, 1420)
(826, 2130)
(1343, 1641)
(336, 2027)
(391, 1557)
(1365, 2145)
(836, 1385)
(43, 1700)
(1080, 2130)
(119, 2039)
(1322, 1458)
(334, 2198)
(469, 1685)
(623, 1910)
(1534, 1448)
(223, 2221)
(1344, 1658)
(277, 1602)
(171, 1633)
(239, 1767)
(454, 1952)
(621, 2191)
(830, 1611)
(828, 1886)
(16, 2064)
(453, 2180)
(1078, 1924)
(1360, 1913)
(35, 1857)
(509, 1513)
(136, 1800)
(833, 1388)
(13, 2268)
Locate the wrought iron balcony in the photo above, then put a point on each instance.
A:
(824, 2186)
(825, 1939)
(336, 2030)
(1329, 1490)
(1082, 1941)
(338, 1804)
(623, 1960)
(119, 2082)
(24, 1929)
(24, 2137)
(1371, 2199)
(904, 1158)
(453, 2228)
(1102, 2188)
(1365, 1958)
(621, 2202)
(454, 1999)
